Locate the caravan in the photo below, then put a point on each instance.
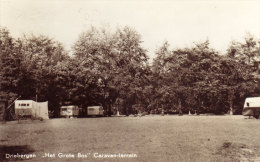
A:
(252, 107)
(69, 111)
(30, 108)
(95, 111)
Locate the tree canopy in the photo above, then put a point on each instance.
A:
(112, 69)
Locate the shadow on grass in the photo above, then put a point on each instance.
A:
(14, 150)
(236, 151)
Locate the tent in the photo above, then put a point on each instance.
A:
(30, 108)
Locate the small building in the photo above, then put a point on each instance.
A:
(30, 108)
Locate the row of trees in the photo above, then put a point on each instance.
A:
(199, 78)
(112, 69)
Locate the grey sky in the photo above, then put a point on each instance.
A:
(181, 22)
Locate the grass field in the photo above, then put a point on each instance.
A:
(148, 138)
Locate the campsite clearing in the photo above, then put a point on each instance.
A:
(148, 138)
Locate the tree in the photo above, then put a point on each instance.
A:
(94, 57)
(246, 52)
(245, 57)
(10, 63)
(132, 67)
(160, 84)
(40, 58)
(198, 78)
(114, 62)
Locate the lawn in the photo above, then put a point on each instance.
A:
(147, 138)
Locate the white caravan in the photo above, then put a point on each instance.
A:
(69, 111)
(252, 107)
(95, 111)
(30, 108)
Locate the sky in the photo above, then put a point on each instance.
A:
(180, 22)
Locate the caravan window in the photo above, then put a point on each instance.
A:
(23, 104)
(64, 109)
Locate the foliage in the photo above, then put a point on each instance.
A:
(200, 79)
(114, 67)
(111, 69)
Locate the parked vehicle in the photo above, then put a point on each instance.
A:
(69, 111)
(252, 107)
(31, 109)
(95, 111)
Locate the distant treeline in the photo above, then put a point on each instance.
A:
(112, 69)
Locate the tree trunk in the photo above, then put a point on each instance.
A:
(231, 97)
(36, 94)
(109, 110)
(126, 109)
(179, 107)
(162, 113)
(231, 107)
